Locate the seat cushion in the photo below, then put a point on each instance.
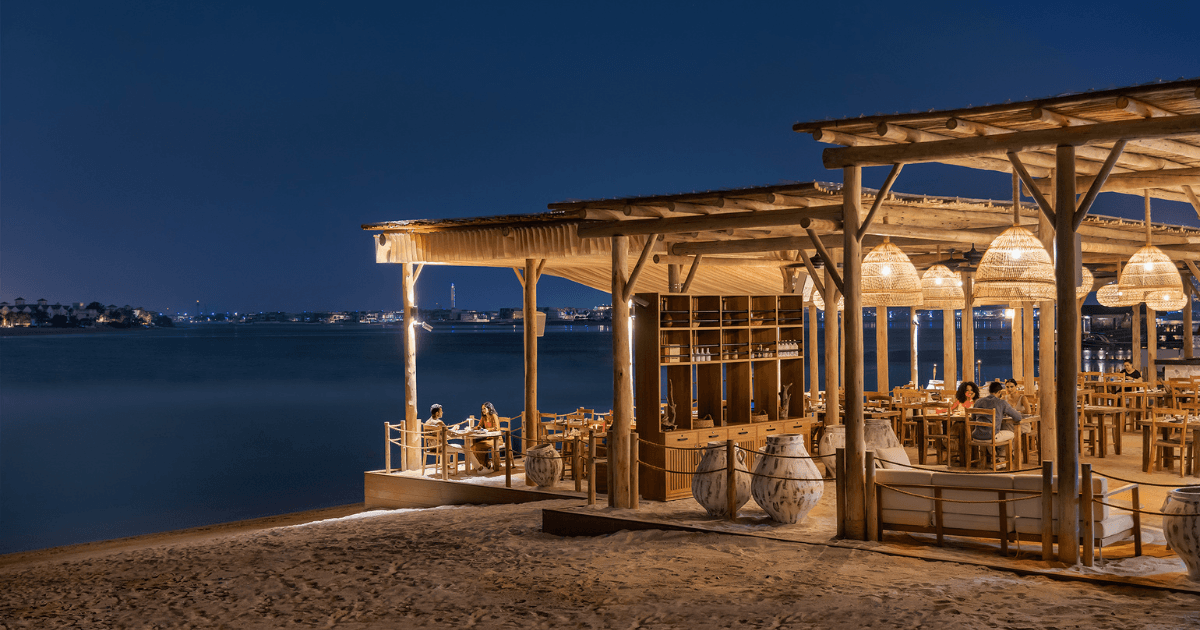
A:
(1001, 481)
(1032, 509)
(893, 457)
(1114, 524)
(893, 500)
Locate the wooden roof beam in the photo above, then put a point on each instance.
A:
(907, 134)
(1141, 108)
(1101, 177)
(1192, 199)
(1087, 153)
(1000, 145)
(704, 223)
(849, 140)
(744, 246)
(1142, 162)
(711, 261)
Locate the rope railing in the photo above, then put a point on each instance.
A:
(1142, 483)
(1141, 511)
(959, 472)
(1038, 495)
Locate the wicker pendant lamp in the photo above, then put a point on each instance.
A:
(889, 277)
(807, 291)
(1085, 287)
(1015, 267)
(942, 289)
(1110, 295)
(1149, 271)
(819, 301)
(1163, 301)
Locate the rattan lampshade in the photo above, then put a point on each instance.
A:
(1110, 295)
(889, 278)
(942, 289)
(1085, 287)
(1149, 271)
(1015, 268)
(1163, 301)
(819, 301)
(807, 291)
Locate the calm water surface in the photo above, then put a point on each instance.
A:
(123, 433)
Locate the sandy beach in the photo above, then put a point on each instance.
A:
(492, 567)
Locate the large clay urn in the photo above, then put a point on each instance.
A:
(710, 489)
(1181, 525)
(878, 434)
(786, 488)
(543, 465)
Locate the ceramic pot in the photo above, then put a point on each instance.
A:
(710, 488)
(1181, 525)
(786, 500)
(878, 434)
(543, 465)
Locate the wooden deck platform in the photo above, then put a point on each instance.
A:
(599, 521)
(395, 490)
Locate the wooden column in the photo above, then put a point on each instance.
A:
(1137, 337)
(881, 349)
(968, 327)
(841, 317)
(531, 417)
(1027, 349)
(673, 283)
(856, 485)
(949, 350)
(1188, 340)
(622, 373)
(912, 355)
(1046, 382)
(814, 366)
(832, 362)
(1018, 342)
(412, 418)
(1068, 365)
(1150, 374)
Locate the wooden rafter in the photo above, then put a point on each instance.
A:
(879, 197)
(1023, 173)
(1098, 184)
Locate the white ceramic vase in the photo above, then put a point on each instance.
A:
(1181, 525)
(710, 488)
(786, 500)
(878, 434)
(543, 465)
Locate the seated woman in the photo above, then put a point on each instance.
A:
(1015, 397)
(967, 394)
(489, 421)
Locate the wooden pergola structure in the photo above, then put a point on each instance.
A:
(762, 239)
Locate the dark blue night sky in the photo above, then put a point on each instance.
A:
(157, 154)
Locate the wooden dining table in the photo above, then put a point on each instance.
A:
(470, 437)
(1100, 412)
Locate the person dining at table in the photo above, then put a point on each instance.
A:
(965, 397)
(1130, 373)
(1013, 396)
(1007, 418)
(489, 421)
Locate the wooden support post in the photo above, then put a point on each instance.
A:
(1046, 387)
(508, 459)
(1047, 511)
(591, 468)
(387, 447)
(839, 488)
(731, 479)
(841, 317)
(1137, 337)
(575, 472)
(1188, 339)
(1068, 367)
(1018, 351)
(912, 354)
(443, 450)
(814, 372)
(1027, 349)
(618, 448)
(529, 308)
(832, 362)
(968, 327)
(881, 350)
(949, 350)
(853, 353)
(1085, 515)
(1150, 374)
(608, 467)
(673, 283)
(412, 419)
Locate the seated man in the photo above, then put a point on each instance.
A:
(1003, 411)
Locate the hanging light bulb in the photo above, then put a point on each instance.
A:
(889, 278)
(1015, 268)
(941, 289)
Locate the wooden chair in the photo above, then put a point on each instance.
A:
(977, 418)
(909, 402)
(1169, 434)
(431, 445)
(1102, 407)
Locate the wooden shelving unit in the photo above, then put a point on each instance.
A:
(721, 356)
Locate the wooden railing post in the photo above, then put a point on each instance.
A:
(508, 458)
(387, 447)
(1085, 513)
(608, 466)
(872, 518)
(1047, 510)
(839, 485)
(730, 479)
(591, 468)
(443, 447)
(634, 491)
(575, 472)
